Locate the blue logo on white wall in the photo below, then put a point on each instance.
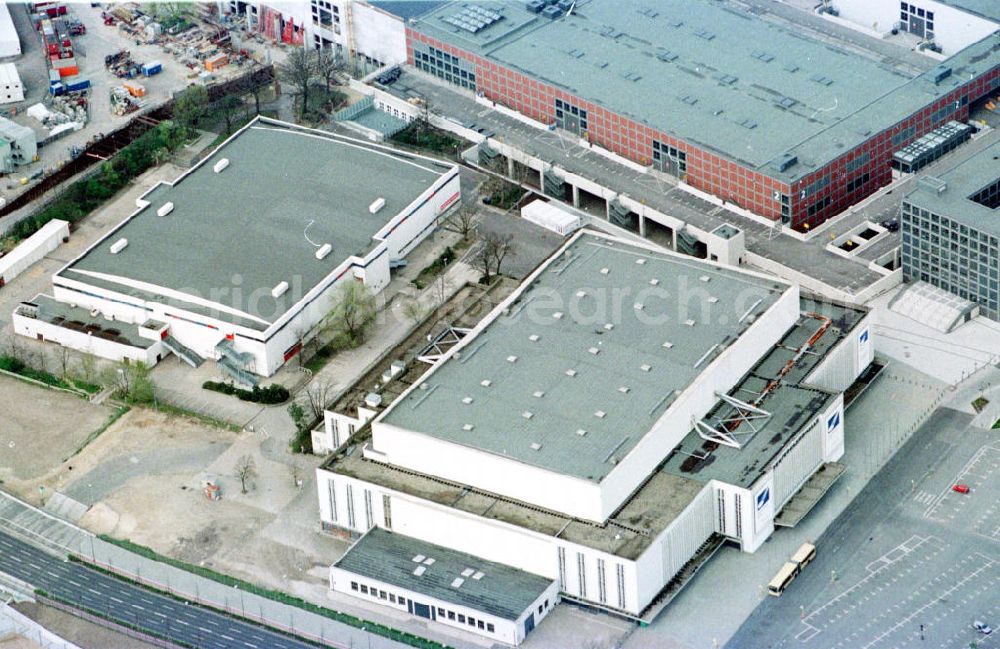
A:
(863, 338)
(763, 497)
(833, 421)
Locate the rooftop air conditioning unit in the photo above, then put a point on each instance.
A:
(118, 246)
(279, 290)
(324, 250)
(165, 209)
(220, 165)
(378, 204)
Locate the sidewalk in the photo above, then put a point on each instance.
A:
(58, 536)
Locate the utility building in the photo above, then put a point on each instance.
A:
(241, 256)
(611, 423)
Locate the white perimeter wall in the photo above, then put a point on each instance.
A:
(417, 220)
(41, 243)
(378, 34)
(954, 29)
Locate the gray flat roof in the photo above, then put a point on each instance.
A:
(499, 590)
(579, 317)
(79, 319)
(989, 9)
(732, 82)
(962, 181)
(259, 222)
(792, 404)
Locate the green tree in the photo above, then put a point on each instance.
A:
(131, 381)
(190, 106)
(298, 415)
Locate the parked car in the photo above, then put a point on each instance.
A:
(982, 627)
(891, 224)
(961, 488)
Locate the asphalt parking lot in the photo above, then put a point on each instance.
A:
(911, 563)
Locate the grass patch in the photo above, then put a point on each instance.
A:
(436, 267)
(502, 194)
(277, 596)
(979, 403)
(205, 419)
(86, 195)
(115, 416)
(996, 424)
(420, 135)
(20, 368)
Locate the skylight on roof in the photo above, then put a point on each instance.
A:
(457, 582)
(645, 368)
(581, 432)
(534, 338)
(467, 572)
(654, 281)
(538, 394)
(624, 389)
(479, 575)
(419, 570)
(571, 373)
(512, 359)
(486, 383)
(594, 350)
(609, 326)
(419, 558)
(600, 414)
(527, 414)
(466, 400)
(468, 427)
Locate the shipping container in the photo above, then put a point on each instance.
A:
(57, 89)
(151, 68)
(77, 84)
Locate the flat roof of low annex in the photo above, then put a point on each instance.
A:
(577, 368)
(792, 405)
(730, 81)
(989, 9)
(949, 193)
(487, 586)
(233, 236)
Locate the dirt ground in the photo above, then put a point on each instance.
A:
(73, 629)
(143, 480)
(40, 428)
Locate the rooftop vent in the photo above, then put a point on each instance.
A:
(557, 315)
(689, 322)
(512, 359)
(279, 290)
(705, 278)
(609, 327)
(165, 209)
(600, 414)
(666, 57)
(457, 582)
(527, 414)
(535, 446)
(594, 350)
(645, 368)
(624, 389)
(654, 282)
(466, 400)
(638, 306)
(419, 570)
(538, 394)
(376, 205)
(373, 400)
(468, 427)
(220, 165)
(581, 293)
(418, 558)
(323, 251)
(640, 261)
(940, 73)
(605, 271)
(467, 572)
(713, 300)
(534, 338)
(429, 561)
(728, 79)
(581, 432)
(931, 183)
(486, 383)
(478, 576)
(118, 246)
(784, 161)
(667, 345)
(571, 373)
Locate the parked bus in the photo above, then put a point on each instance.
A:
(804, 555)
(788, 572)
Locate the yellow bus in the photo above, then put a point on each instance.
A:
(788, 572)
(804, 555)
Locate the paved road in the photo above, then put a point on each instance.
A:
(911, 563)
(131, 605)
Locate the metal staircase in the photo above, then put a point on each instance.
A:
(236, 364)
(236, 372)
(553, 185)
(687, 243)
(183, 353)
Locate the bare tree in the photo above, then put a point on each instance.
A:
(318, 395)
(462, 220)
(88, 367)
(246, 471)
(492, 252)
(328, 63)
(354, 311)
(299, 70)
(62, 357)
(228, 106)
(130, 381)
(413, 311)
